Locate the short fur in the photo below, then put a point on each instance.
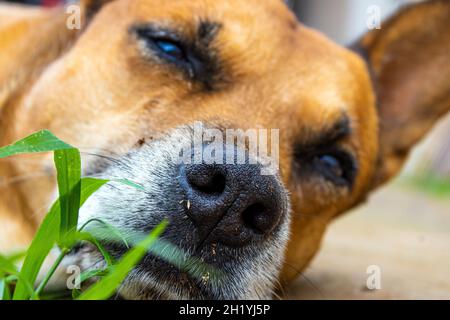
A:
(99, 90)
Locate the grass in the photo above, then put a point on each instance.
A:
(429, 183)
(60, 229)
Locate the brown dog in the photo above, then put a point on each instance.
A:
(132, 82)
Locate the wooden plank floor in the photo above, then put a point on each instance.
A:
(403, 231)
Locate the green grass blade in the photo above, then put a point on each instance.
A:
(75, 294)
(9, 271)
(99, 232)
(12, 278)
(89, 186)
(86, 236)
(180, 259)
(183, 261)
(16, 256)
(164, 250)
(68, 167)
(108, 284)
(63, 215)
(42, 141)
(88, 274)
(40, 247)
(4, 289)
(49, 274)
(6, 266)
(130, 183)
(46, 238)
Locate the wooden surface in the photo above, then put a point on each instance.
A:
(403, 231)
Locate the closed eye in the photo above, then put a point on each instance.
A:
(323, 157)
(194, 55)
(336, 166)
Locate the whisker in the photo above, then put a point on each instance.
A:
(311, 283)
(308, 281)
(5, 182)
(22, 159)
(96, 150)
(276, 295)
(278, 287)
(121, 161)
(109, 158)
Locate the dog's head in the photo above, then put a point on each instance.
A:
(142, 73)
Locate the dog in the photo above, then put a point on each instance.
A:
(131, 83)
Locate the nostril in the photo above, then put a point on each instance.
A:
(259, 218)
(209, 184)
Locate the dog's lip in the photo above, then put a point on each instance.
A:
(159, 291)
(163, 275)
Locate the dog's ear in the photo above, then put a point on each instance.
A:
(409, 59)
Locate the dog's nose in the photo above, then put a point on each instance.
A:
(232, 204)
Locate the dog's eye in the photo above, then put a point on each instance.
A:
(170, 49)
(337, 167)
(333, 164)
(166, 45)
(192, 56)
(329, 164)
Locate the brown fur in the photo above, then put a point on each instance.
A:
(100, 93)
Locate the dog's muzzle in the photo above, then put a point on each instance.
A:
(230, 216)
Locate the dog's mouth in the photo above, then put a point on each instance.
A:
(180, 271)
(227, 224)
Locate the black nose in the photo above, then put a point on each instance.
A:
(232, 204)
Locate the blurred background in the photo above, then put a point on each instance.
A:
(404, 228)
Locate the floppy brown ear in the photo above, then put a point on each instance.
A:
(409, 58)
